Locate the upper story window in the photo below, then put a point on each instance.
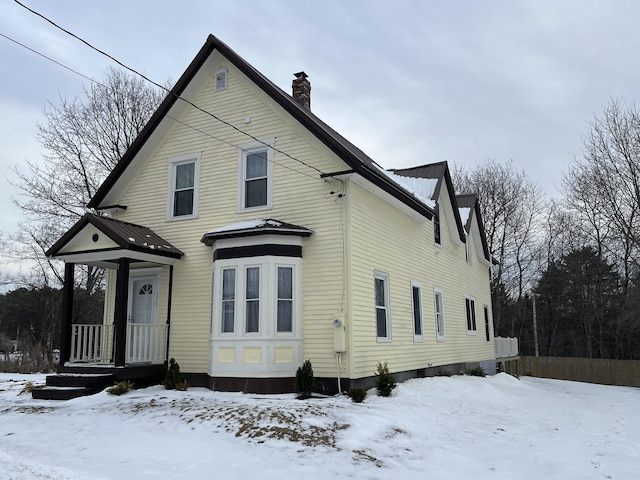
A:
(221, 79)
(467, 248)
(383, 318)
(436, 229)
(256, 175)
(183, 186)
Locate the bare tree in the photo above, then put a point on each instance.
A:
(84, 139)
(603, 187)
(512, 206)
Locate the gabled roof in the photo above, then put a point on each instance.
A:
(470, 201)
(258, 226)
(440, 172)
(126, 236)
(357, 160)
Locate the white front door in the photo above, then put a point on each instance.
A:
(142, 318)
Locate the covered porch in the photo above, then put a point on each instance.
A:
(131, 342)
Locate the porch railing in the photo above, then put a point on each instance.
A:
(92, 343)
(146, 343)
(506, 347)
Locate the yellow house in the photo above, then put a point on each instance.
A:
(243, 235)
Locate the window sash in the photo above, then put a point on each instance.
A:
(284, 316)
(183, 188)
(471, 315)
(382, 310)
(487, 332)
(417, 310)
(252, 300)
(256, 179)
(228, 300)
(439, 315)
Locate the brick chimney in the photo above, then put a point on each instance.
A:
(302, 89)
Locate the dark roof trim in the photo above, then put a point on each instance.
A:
(470, 200)
(122, 234)
(348, 152)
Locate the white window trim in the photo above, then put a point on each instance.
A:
(475, 317)
(221, 72)
(267, 328)
(242, 151)
(173, 163)
(440, 336)
(385, 278)
(416, 337)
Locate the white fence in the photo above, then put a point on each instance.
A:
(506, 347)
(94, 343)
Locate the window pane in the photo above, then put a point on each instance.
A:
(253, 283)
(228, 284)
(381, 322)
(439, 319)
(255, 193)
(256, 166)
(417, 312)
(228, 316)
(380, 292)
(184, 175)
(183, 203)
(285, 278)
(285, 315)
(253, 315)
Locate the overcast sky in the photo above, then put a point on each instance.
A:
(409, 82)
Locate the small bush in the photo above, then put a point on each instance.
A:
(304, 380)
(357, 394)
(120, 388)
(174, 377)
(385, 381)
(29, 387)
(475, 372)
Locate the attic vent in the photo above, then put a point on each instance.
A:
(221, 80)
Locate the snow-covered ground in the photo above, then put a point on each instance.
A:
(438, 428)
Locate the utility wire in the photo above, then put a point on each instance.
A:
(169, 91)
(168, 116)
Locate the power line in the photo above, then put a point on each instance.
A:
(169, 91)
(168, 116)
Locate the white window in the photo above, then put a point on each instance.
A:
(256, 176)
(416, 300)
(256, 297)
(221, 79)
(487, 332)
(439, 307)
(183, 186)
(470, 304)
(284, 316)
(383, 317)
(228, 300)
(252, 299)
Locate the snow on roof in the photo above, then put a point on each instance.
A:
(464, 214)
(421, 188)
(247, 225)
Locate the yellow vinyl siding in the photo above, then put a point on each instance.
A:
(298, 197)
(411, 255)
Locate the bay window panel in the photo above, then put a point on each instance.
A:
(252, 307)
(228, 300)
(285, 300)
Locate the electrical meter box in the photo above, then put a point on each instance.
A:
(339, 334)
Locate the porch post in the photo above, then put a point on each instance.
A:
(120, 312)
(67, 314)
